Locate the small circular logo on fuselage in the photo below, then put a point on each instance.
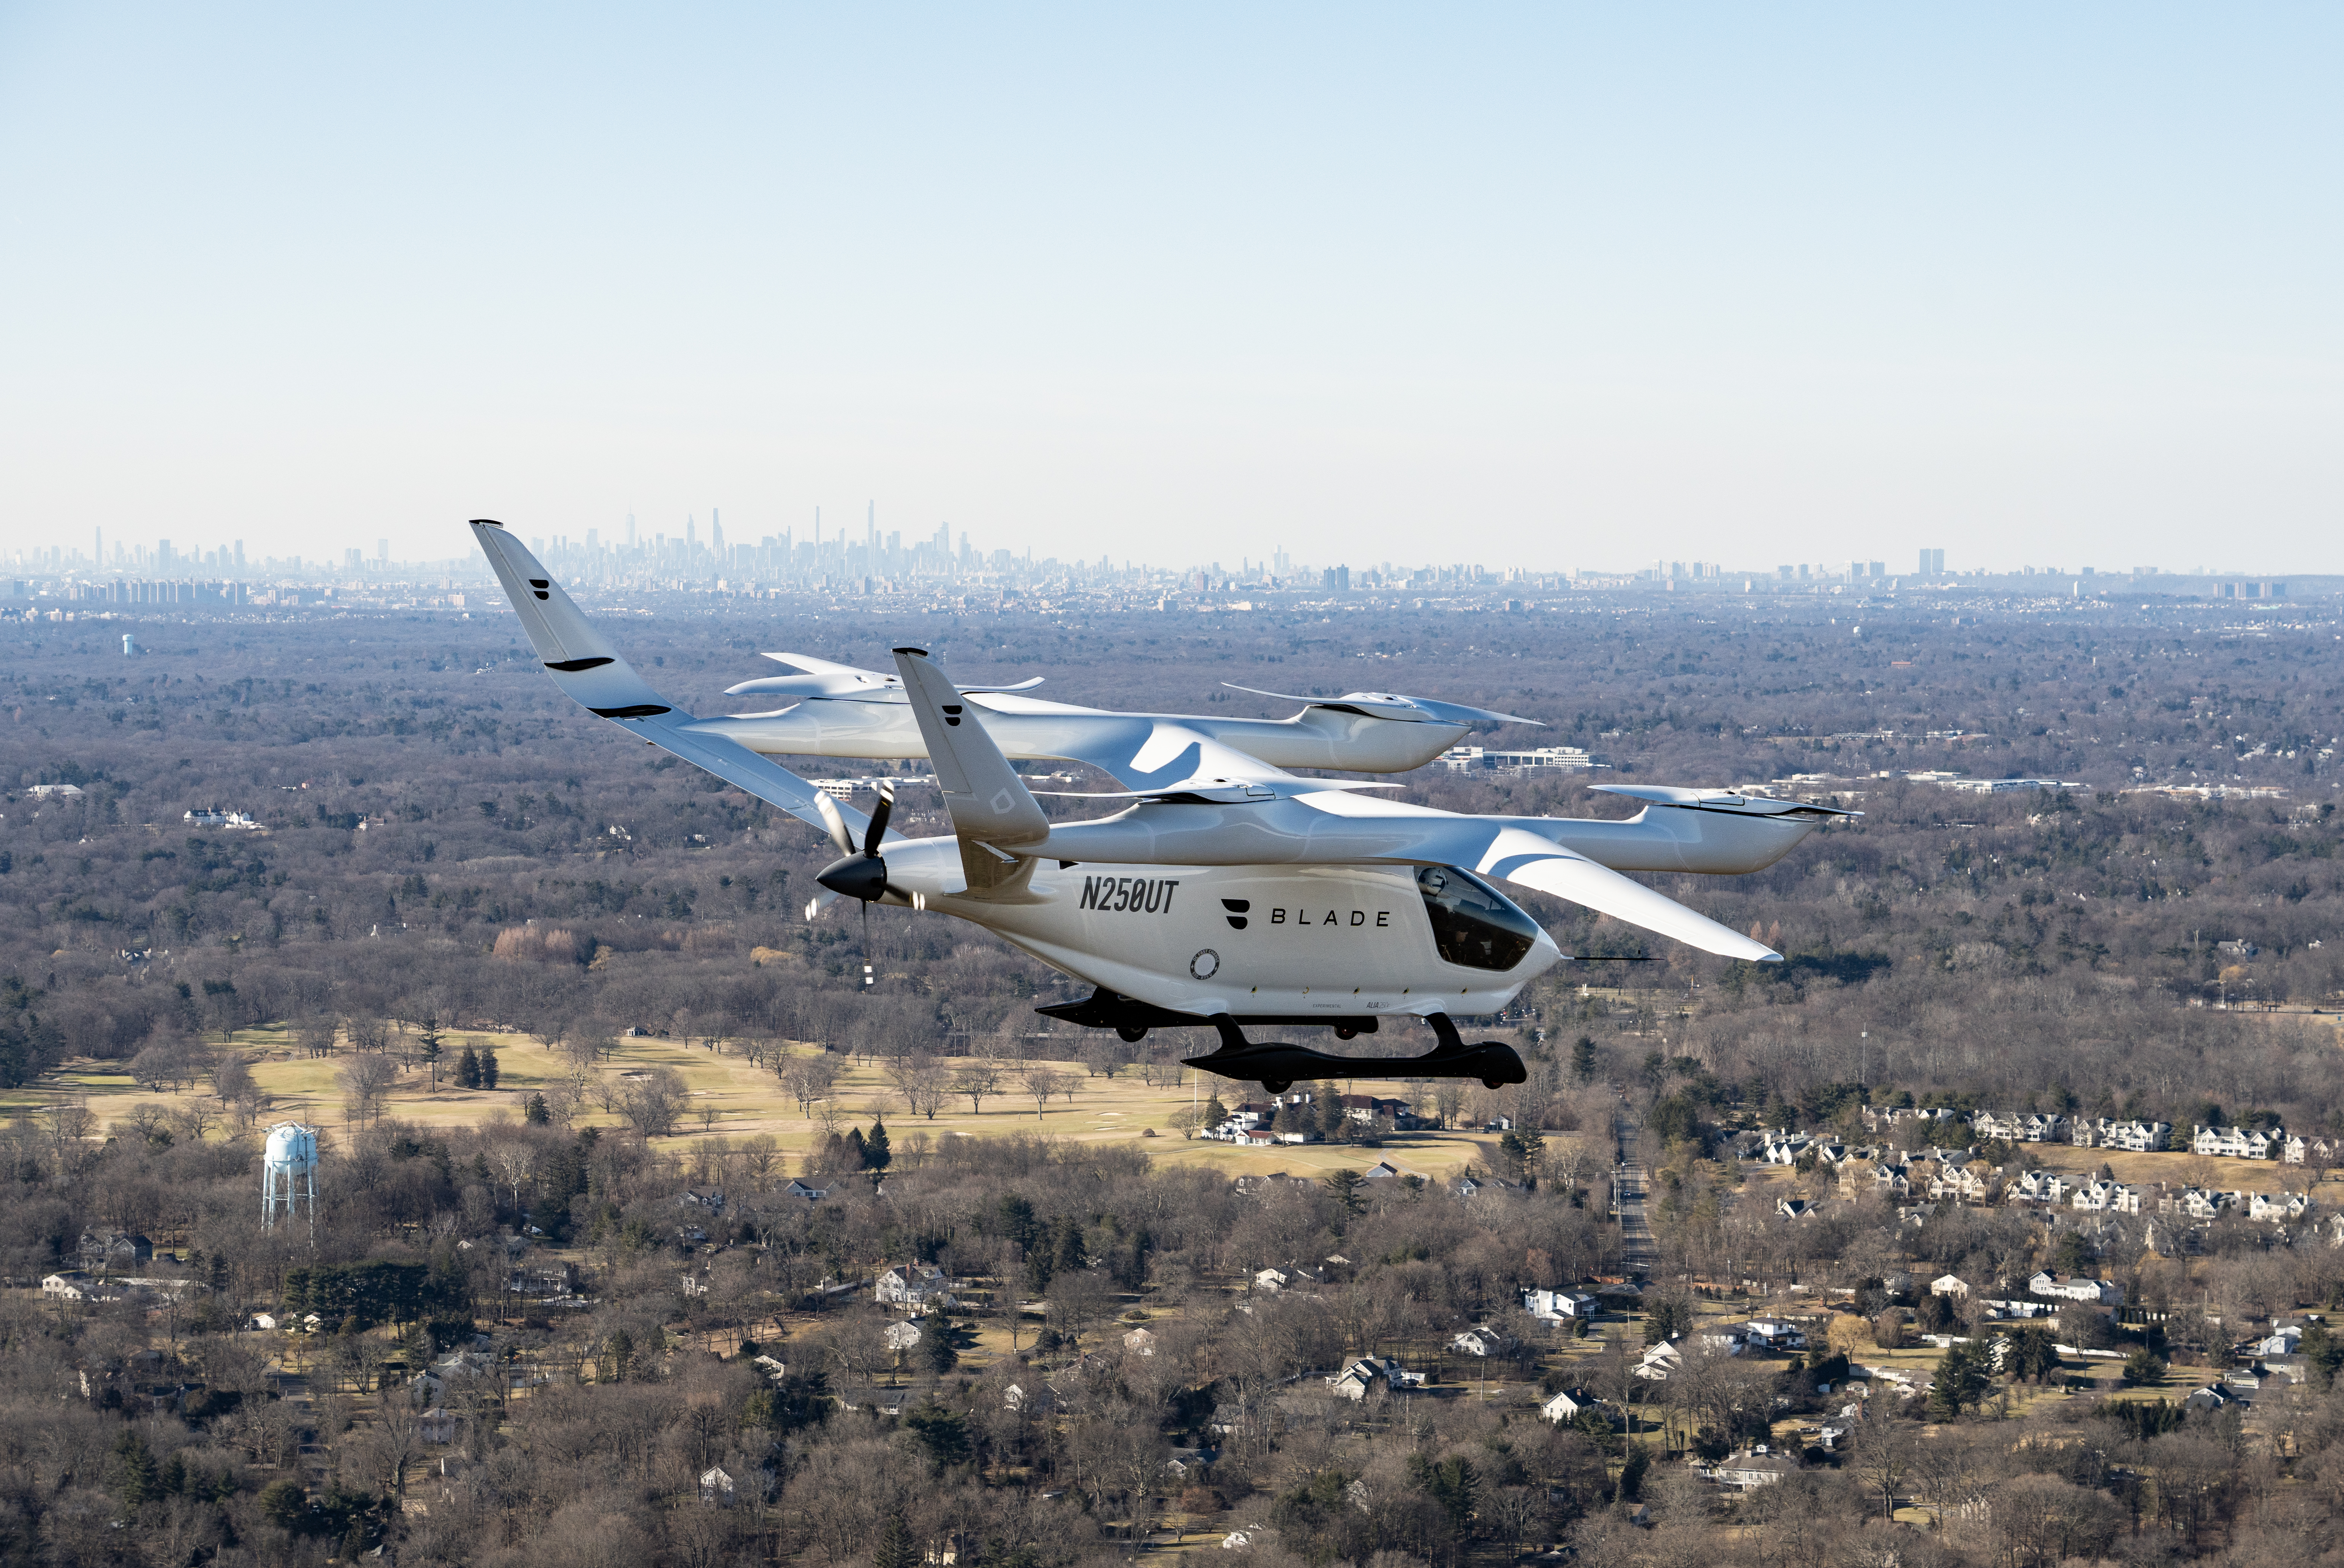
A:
(1205, 964)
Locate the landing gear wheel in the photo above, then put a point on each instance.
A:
(1343, 1032)
(1492, 1083)
(1131, 1034)
(1279, 1086)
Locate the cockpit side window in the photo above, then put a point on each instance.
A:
(1472, 923)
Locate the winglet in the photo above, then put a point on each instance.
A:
(990, 804)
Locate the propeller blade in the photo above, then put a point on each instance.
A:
(833, 820)
(818, 902)
(877, 833)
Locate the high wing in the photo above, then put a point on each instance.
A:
(1339, 828)
(588, 669)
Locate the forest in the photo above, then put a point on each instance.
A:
(553, 1336)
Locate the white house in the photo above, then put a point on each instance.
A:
(2106, 1198)
(1794, 1208)
(1752, 1468)
(2277, 1206)
(1566, 1405)
(1774, 1334)
(1356, 1379)
(2201, 1203)
(2284, 1341)
(2077, 1288)
(2238, 1142)
(2135, 1136)
(1139, 1342)
(1950, 1285)
(2038, 1187)
(2020, 1128)
(1481, 1342)
(1554, 1306)
(902, 1337)
(2299, 1150)
(1958, 1184)
(1659, 1362)
(914, 1287)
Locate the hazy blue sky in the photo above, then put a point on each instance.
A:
(1559, 286)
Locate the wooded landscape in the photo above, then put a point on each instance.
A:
(564, 1319)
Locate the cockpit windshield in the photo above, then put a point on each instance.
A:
(1472, 923)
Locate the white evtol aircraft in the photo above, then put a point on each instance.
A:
(1225, 891)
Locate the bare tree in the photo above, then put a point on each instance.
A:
(1040, 1083)
(920, 1079)
(231, 1079)
(193, 1119)
(807, 1079)
(653, 1102)
(316, 1036)
(514, 1161)
(978, 1079)
(365, 1083)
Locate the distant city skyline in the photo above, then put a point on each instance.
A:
(640, 551)
(1554, 286)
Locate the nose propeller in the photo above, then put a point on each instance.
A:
(863, 875)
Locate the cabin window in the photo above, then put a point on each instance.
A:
(1472, 923)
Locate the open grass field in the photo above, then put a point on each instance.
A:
(745, 1100)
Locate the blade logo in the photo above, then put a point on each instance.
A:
(1333, 918)
(1129, 894)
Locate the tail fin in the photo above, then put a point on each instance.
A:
(581, 661)
(990, 804)
(588, 669)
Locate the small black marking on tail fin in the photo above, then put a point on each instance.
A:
(572, 666)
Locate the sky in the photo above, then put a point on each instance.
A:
(1554, 285)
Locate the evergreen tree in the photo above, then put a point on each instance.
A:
(468, 1069)
(1583, 1059)
(856, 1158)
(535, 1113)
(1215, 1112)
(134, 1469)
(1067, 1255)
(1961, 1382)
(876, 1154)
(428, 1051)
(487, 1067)
(896, 1548)
(1332, 1123)
(1345, 1185)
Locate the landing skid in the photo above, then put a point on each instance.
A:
(1131, 1018)
(1277, 1066)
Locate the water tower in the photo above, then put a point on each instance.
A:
(288, 1173)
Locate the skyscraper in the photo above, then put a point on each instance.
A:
(1932, 562)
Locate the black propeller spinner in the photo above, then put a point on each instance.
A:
(863, 875)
